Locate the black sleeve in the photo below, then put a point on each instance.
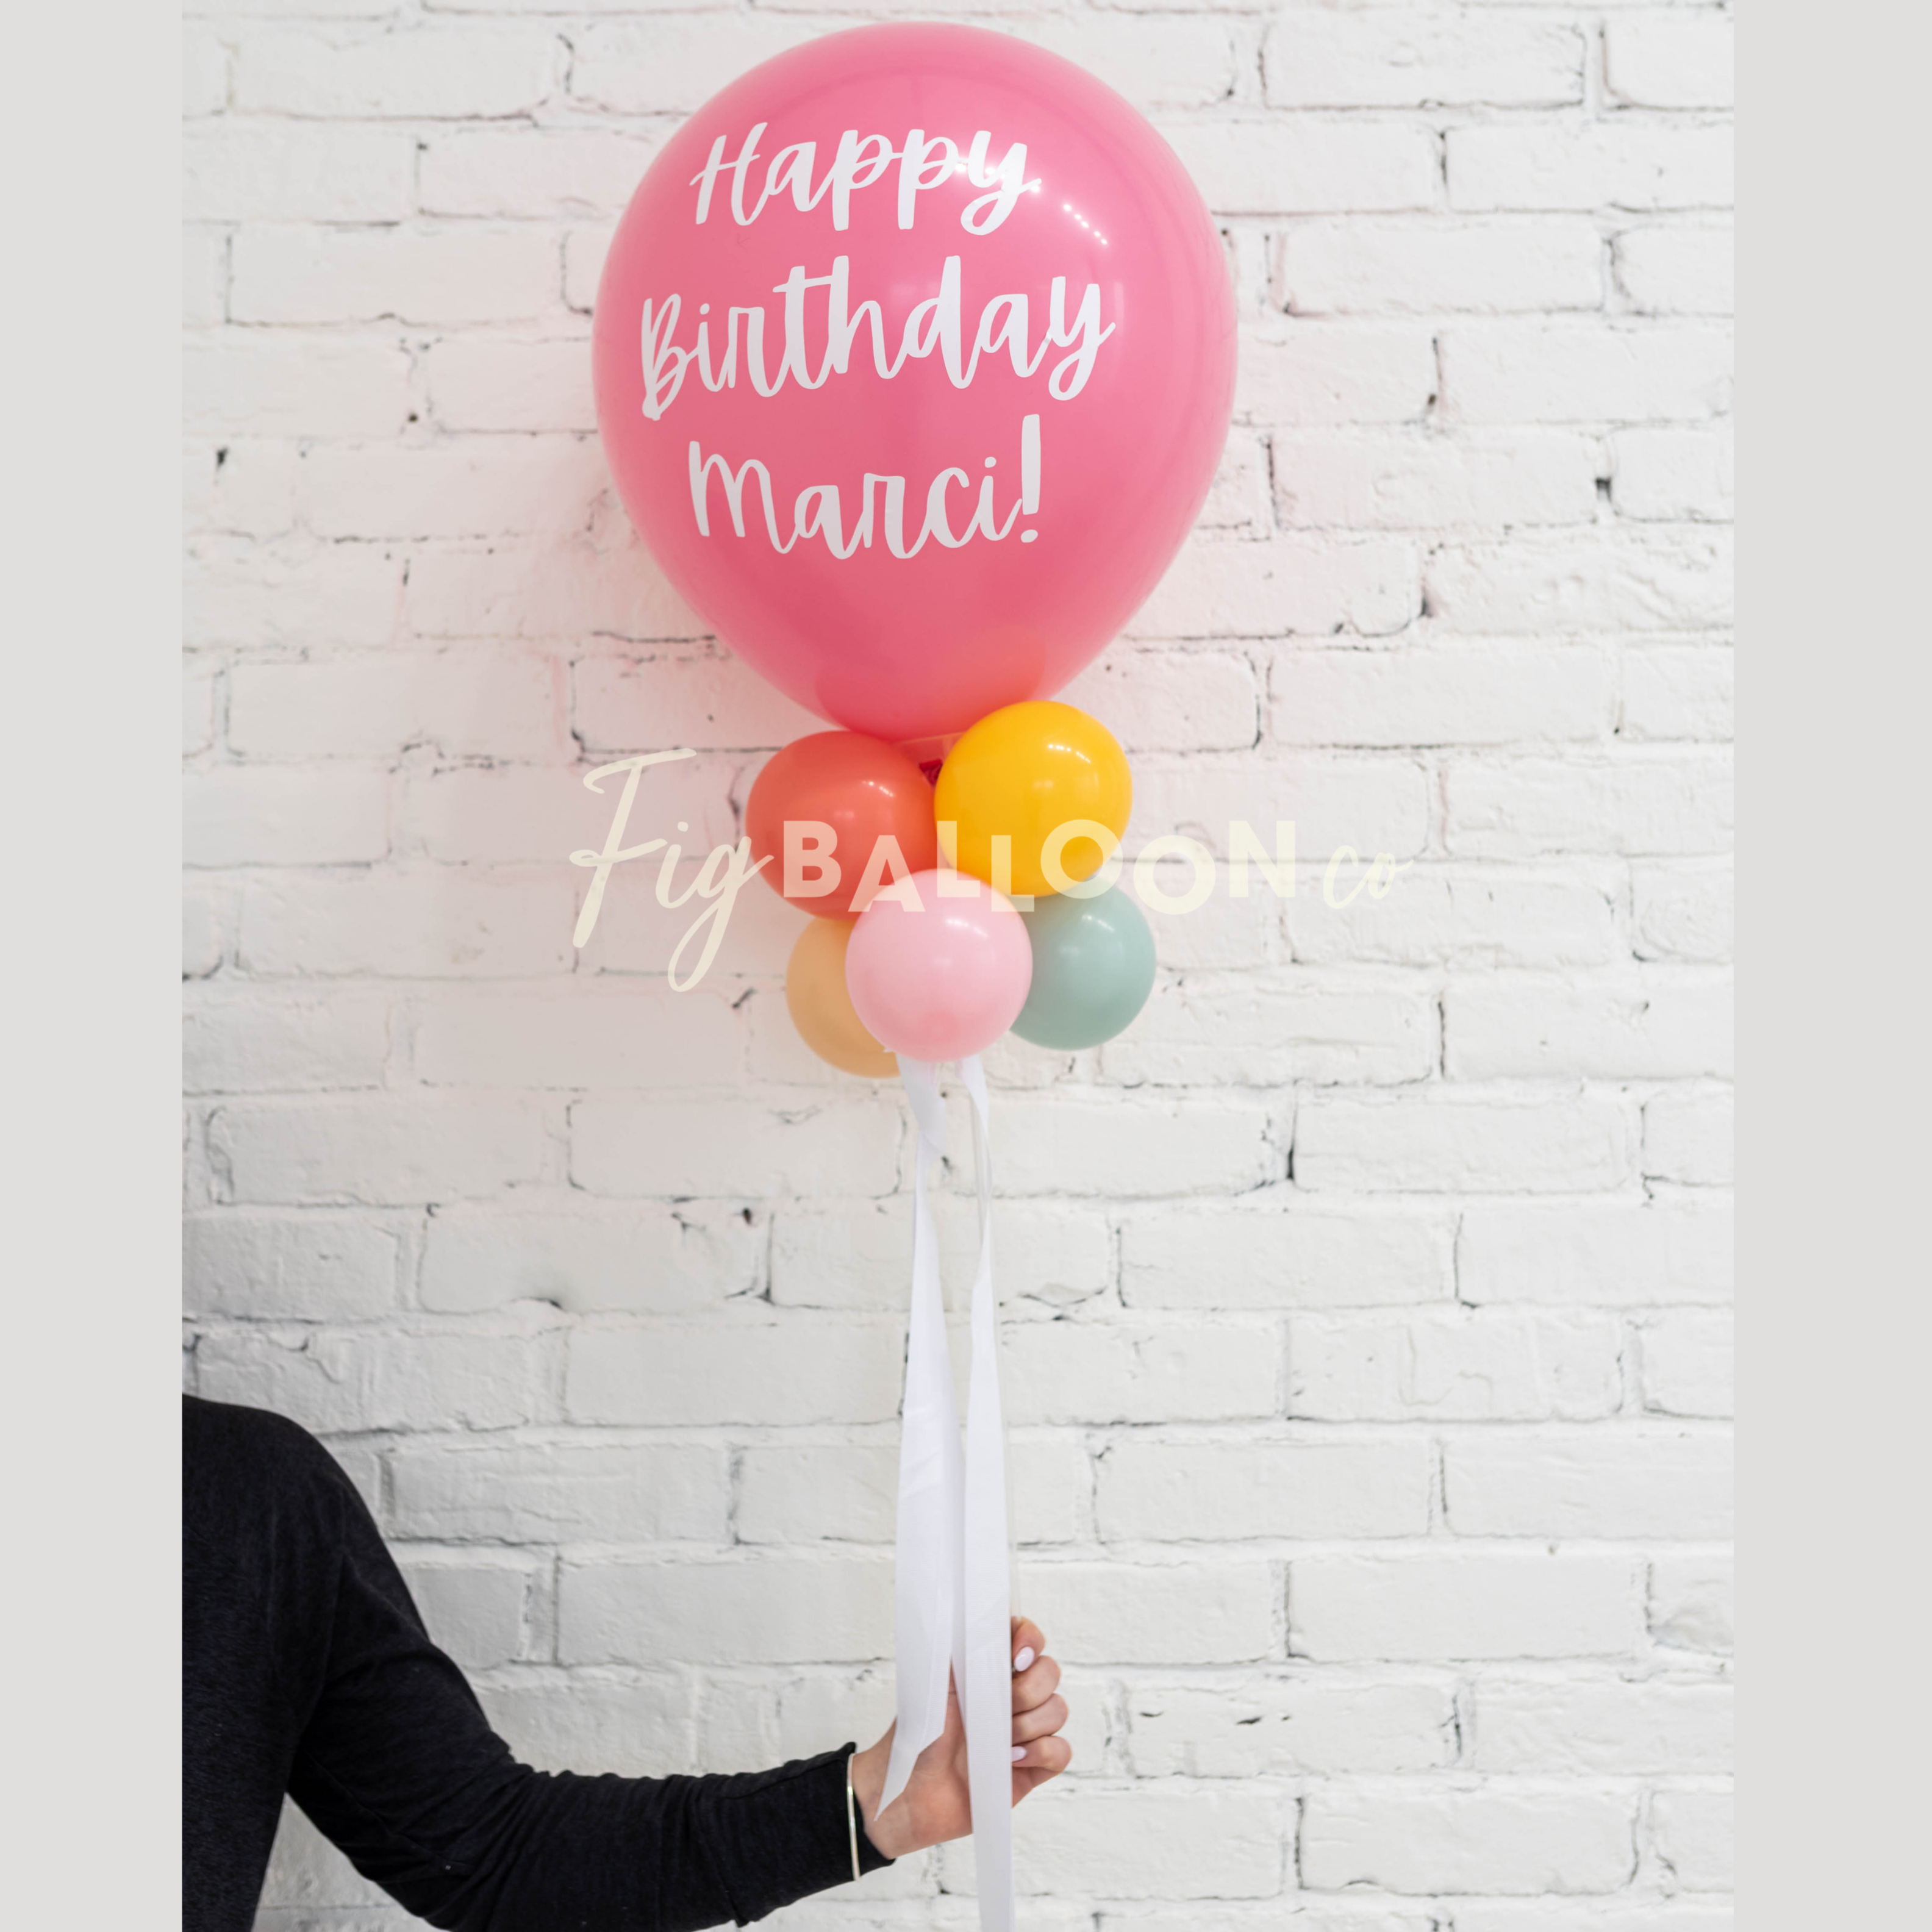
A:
(398, 1765)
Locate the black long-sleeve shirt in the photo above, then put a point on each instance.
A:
(306, 1670)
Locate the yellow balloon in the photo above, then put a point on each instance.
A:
(821, 1008)
(1026, 774)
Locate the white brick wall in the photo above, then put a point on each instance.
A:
(1369, 1353)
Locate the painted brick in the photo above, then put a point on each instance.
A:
(1249, 1031)
(844, 1492)
(1172, 701)
(424, 74)
(1464, 1604)
(647, 1261)
(765, 1610)
(1376, 804)
(540, 384)
(1666, 269)
(1354, 480)
(573, 1036)
(1275, 1727)
(291, 1268)
(1460, 1364)
(1682, 912)
(421, 922)
(1685, 1358)
(1307, 373)
(529, 173)
(1639, 580)
(460, 702)
(1142, 1843)
(1672, 475)
(1464, 1141)
(462, 487)
(1089, 1372)
(1620, 1253)
(562, 1492)
(1589, 1483)
(559, 586)
(466, 274)
(1690, 1603)
(1617, 1728)
(343, 1380)
(1355, 267)
(1412, 58)
(1498, 1840)
(1687, 1136)
(1691, 1830)
(1656, 59)
(273, 171)
(1213, 1610)
(1606, 164)
(259, 814)
(857, 1254)
(1135, 1146)
(708, 699)
(204, 73)
(1279, 167)
(257, 1044)
(385, 1151)
(1209, 1257)
(1572, 371)
(1663, 805)
(244, 485)
(638, 1726)
(1476, 695)
(1457, 916)
(475, 1608)
(1296, 583)
(792, 1372)
(269, 384)
(1673, 691)
(1662, 1025)
(1224, 1492)
(638, 1148)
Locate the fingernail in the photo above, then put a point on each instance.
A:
(1024, 1657)
(1019, 1752)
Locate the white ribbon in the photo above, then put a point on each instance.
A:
(952, 1602)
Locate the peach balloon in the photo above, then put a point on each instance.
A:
(821, 1008)
(938, 973)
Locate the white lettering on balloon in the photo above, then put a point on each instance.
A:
(814, 345)
(857, 164)
(819, 510)
(935, 325)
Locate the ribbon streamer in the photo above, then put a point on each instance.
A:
(953, 1588)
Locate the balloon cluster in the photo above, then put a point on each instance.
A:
(951, 904)
(914, 356)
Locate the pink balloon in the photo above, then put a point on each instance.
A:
(914, 356)
(937, 977)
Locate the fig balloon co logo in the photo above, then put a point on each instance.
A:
(812, 865)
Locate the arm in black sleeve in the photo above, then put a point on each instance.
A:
(397, 1764)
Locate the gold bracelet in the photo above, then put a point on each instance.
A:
(851, 1815)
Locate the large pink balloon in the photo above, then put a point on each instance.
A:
(914, 356)
(935, 976)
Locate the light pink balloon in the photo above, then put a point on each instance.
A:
(955, 179)
(937, 978)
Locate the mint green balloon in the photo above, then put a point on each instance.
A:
(1093, 968)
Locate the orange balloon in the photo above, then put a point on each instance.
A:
(842, 793)
(1021, 792)
(821, 1008)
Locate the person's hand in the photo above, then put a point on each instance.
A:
(935, 1805)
